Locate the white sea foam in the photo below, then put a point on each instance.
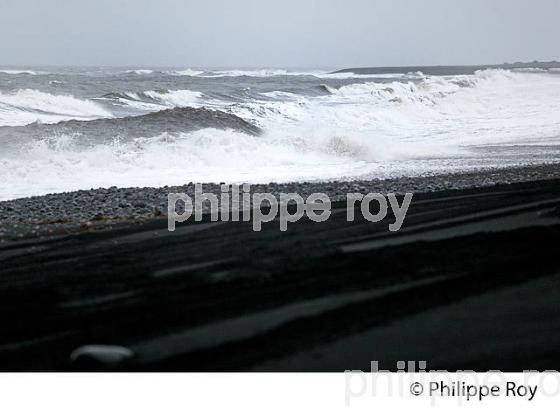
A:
(274, 72)
(350, 75)
(252, 73)
(140, 72)
(175, 98)
(158, 100)
(283, 95)
(365, 129)
(26, 106)
(439, 117)
(209, 155)
(19, 72)
(262, 73)
(186, 72)
(530, 70)
(314, 73)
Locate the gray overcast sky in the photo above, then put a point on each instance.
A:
(287, 33)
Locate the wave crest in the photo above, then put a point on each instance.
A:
(155, 99)
(27, 106)
(175, 120)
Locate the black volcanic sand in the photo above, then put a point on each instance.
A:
(471, 281)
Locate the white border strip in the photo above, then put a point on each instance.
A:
(169, 391)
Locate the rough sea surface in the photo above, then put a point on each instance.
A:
(66, 129)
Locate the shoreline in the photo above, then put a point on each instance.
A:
(102, 208)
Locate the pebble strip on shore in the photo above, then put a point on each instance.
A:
(101, 208)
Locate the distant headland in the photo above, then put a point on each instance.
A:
(452, 70)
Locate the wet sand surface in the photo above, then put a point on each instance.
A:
(509, 330)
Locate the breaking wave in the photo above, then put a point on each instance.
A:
(139, 72)
(27, 106)
(263, 73)
(426, 90)
(153, 100)
(186, 72)
(63, 163)
(409, 125)
(19, 72)
(175, 120)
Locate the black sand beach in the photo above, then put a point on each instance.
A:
(470, 282)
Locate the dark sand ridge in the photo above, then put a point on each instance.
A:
(470, 282)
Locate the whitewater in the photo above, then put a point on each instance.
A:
(68, 129)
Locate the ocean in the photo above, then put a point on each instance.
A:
(66, 128)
